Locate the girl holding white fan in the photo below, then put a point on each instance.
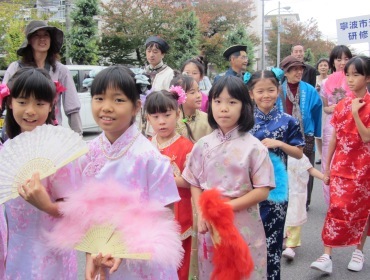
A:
(30, 104)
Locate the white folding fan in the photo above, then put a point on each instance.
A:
(106, 240)
(45, 149)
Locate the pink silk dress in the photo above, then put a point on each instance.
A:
(134, 162)
(3, 237)
(333, 89)
(3, 241)
(204, 106)
(234, 163)
(27, 255)
(349, 207)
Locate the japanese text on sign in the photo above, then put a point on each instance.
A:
(353, 30)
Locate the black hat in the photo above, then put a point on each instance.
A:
(156, 39)
(233, 49)
(55, 33)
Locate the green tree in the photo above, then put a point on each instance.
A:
(217, 18)
(306, 33)
(13, 39)
(83, 36)
(10, 12)
(128, 23)
(185, 39)
(309, 57)
(114, 50)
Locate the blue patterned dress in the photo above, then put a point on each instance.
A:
(280, 126)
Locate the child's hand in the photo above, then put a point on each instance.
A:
(271, 143)
(203, 225)
(331, 108)
(92, 271)
(107, 261)
(326, 177)
(35, 194)
(357, 104)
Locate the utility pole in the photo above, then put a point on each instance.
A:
(278, 38)
(68, 29)
(263, 36)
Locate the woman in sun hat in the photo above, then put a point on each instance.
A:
(40, 49)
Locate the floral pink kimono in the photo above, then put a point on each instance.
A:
(136, 164)
(235, 164)
(27, 256)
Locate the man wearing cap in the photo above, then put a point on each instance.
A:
(160, 73)
(301, 100)
(309, 73)
(40, 49)
(237, 56)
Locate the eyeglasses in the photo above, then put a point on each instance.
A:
(243, 57)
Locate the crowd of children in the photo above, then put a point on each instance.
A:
(247, 129)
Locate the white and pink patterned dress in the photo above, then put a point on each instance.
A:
(234, 163)
(338, 90)
(28, 256)
(142, 168)
(3, 237)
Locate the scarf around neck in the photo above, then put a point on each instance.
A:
(153, 71)
(296, 112)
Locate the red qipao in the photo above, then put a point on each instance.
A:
(349, 206)
(177, 150)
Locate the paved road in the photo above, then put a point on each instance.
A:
(311, 247)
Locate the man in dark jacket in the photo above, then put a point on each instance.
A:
(238, 58)
(309, 74)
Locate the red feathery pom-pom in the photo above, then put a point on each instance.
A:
(232, 258)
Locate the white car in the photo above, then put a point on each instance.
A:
(79, 73)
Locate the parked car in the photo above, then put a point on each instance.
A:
(79, 73)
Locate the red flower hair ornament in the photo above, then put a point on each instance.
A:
(4, 92)
(180, 93)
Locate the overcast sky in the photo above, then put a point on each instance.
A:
(326, 12)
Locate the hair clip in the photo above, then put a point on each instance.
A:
(279, 73)
(184, 120)
(59, 87)
(247, 77)
(180, 93)
(4, 92)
